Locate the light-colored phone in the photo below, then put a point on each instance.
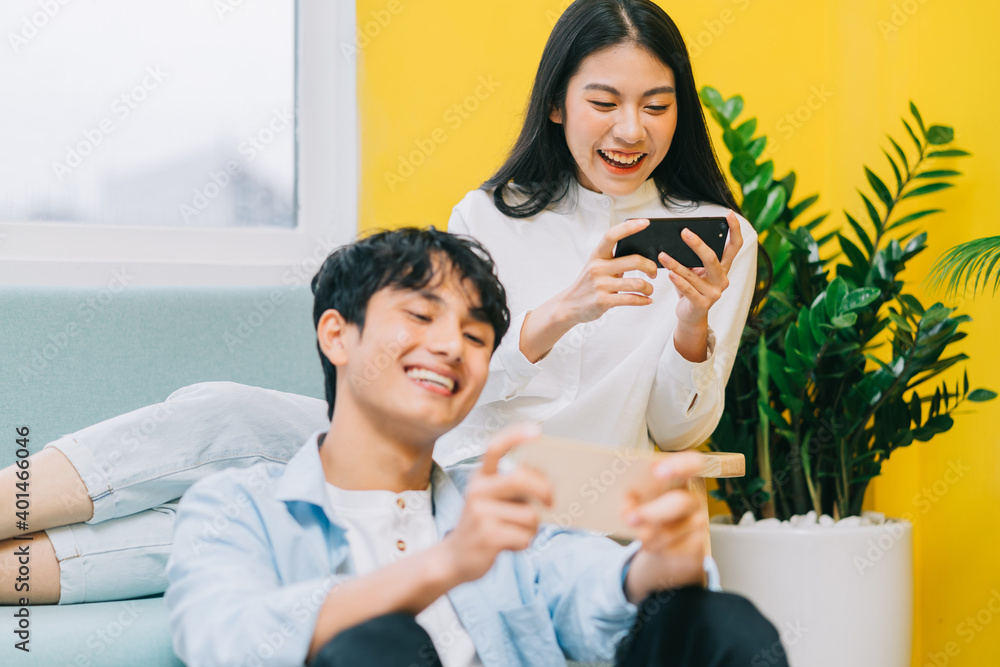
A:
(590, 482)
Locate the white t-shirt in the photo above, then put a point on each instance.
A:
(618, 380)
(383, 527)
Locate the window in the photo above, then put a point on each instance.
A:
(188, 141)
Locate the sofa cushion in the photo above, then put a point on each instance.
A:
(73, 357)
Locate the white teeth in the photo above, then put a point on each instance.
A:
(431, 376)
(622, 158)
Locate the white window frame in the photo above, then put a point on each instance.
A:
(326, 197)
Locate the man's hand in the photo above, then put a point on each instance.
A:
(498, 513)
(672, 529)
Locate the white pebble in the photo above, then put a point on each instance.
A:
(747, 519)
(849, 522)
(872, 518)
(803, 520)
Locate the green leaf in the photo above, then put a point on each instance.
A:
(912, 303)
(913, 216)
(791, 350)
(835, 293)
(823, 240)
(951, 152)
(862, 236)
(872, 213)
(710, 97)
(972, 259)
(901, 152)
(913, 136)
(895, 171)
(939, 134)
(807, 345)
(938, 424)
(879, 187)
(916, 245)
(756, 147)
(859, 298)
(817, 317)
(797, 210)
(900, 321)
(915, 408)
(776, 372)
(928, 189)
(733, 141)
(844, 321)
(854, 255)
(773, 208)
(815, 222)
(793, 404)
(772, 414)
(920, 121)
(743, 167)
(762, 179)
(753, 202)
(732, 108)
(982, 395)
(747, 129)
(938, 173)
(789, 183)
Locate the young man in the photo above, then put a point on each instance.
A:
(361, 551)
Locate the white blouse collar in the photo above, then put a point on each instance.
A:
(646, 193)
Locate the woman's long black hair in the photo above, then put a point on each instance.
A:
(540, 163)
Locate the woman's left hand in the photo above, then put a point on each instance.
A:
(699, 288)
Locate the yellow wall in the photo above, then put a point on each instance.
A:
(858, 63)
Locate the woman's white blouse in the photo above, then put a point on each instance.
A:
(617, 380)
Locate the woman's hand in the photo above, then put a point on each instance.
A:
(599, 288)
(698, 289)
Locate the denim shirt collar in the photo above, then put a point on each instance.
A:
(303, 481)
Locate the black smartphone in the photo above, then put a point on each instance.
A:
(664, 235)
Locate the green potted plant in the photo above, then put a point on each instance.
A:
(838, 369)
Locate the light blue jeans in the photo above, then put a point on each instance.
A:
(137, 466)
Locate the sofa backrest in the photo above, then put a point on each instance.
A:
(70, 357)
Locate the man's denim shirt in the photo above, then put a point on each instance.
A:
(256, 551)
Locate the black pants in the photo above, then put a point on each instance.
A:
(686, 627)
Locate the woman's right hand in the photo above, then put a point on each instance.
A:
(598, 288)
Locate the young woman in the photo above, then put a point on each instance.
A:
(607, 350)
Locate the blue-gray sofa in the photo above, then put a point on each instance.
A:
(72, 357)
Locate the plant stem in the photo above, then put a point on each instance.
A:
(764, 429)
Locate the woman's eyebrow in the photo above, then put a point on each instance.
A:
(614, 91)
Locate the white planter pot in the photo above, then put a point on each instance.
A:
(837, 595)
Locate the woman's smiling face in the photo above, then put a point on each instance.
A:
(619, 118)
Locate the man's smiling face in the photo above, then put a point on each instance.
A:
(422, 357)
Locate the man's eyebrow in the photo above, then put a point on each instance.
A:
(478, 313)
(429, 295)
(614, 91)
